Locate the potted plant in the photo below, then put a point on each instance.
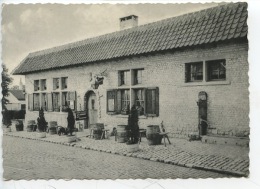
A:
(6, 120)
(41, 124)
(133, 127)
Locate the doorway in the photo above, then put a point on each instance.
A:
(91, 108)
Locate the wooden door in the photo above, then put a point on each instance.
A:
(92, 109)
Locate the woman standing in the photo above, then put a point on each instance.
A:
(71, 121)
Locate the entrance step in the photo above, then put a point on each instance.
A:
(226, 140)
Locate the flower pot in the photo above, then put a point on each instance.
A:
(40, 134)
(72, 139)
(132, 147)
(31, 122)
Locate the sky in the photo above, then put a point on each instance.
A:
(31, 27)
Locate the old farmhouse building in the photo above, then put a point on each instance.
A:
(175, 70)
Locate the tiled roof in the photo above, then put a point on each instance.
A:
(18, 94)
(210, 25)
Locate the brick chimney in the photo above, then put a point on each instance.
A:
(128, 22)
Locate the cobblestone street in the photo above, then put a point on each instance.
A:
(31, 159)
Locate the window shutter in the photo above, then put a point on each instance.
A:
(49, 102)
(157, 101)
(148, 102)
(152, 101)
(144, 101)
(187, 73)
(30, 102)
(118, 101)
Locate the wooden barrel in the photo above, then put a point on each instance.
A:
(53, 130)
(31, 122)
(30, 128)
(53, 124)
(122, 133)
(152, 134)
(19, 125)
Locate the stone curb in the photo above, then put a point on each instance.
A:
(135, 155)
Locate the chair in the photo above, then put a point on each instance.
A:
(142, 132)
(105, 133)
(164, 134)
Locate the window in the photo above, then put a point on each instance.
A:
(64, 101)
(125, 102)
(56, 83)
(44, 101)
(138, 76)
(140, 100)
(204, 71)
(72, 99)
(111, 101)
(120, 101)
(64, 83)
(194, 71)
(43, 84)
(56, 101)
(216, 70)
(36, 101)
(36, 85)
(146, 100)
(124, 77)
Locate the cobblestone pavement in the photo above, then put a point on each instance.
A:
(232, 160)
(29, 159)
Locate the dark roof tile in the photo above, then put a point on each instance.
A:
(19, 94)
(206, 26)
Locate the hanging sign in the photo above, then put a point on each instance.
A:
(81, 115)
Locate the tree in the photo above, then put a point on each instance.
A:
(6, 81)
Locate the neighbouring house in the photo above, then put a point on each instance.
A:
(16, 100)
(175, 70)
